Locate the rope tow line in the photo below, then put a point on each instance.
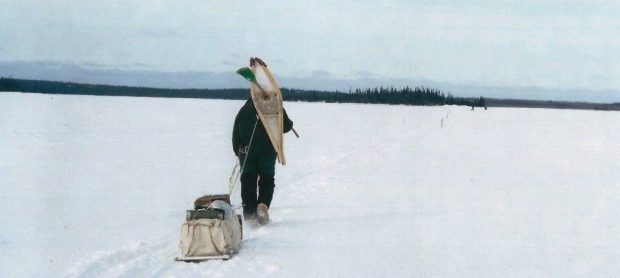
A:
(232, 183)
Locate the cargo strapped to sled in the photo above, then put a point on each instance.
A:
(214, 232)
(206, 200)
(205, 213)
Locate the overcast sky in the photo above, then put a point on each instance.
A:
(555, 44)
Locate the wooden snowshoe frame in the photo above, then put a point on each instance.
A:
(267, 100)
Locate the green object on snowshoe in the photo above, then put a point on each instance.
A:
(247, 74)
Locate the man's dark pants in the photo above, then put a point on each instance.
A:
(259, 169)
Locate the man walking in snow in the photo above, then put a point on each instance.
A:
(257, 158)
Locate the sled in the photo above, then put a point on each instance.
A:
(211, 231)
(202, 258)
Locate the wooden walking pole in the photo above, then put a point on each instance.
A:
(295, 131)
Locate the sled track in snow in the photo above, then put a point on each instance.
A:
(156, 258)
(144, 259)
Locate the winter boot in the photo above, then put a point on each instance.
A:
(262, 214)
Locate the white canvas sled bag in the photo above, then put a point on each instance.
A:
(211, 237)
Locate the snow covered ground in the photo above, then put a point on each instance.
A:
(98, 186)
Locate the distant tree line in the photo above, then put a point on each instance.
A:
(67, 88)
(493, 102)
(9, 84)
(381, 95)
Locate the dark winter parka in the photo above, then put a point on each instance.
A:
(242, 131)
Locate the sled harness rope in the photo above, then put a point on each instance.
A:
(231, 182)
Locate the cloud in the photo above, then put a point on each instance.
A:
(159, 33)
(365, 74)
(229, 63)
(321, 73)
(550, 43)
(94, 65)
(141, 65)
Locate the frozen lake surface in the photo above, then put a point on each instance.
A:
(98, 186)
